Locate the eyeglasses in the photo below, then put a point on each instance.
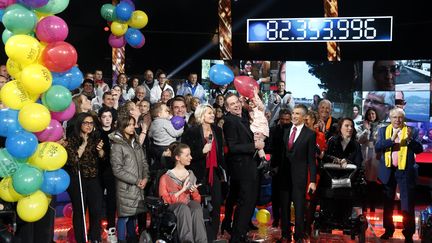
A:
(86, 123)
(374, 102)
(385, 69)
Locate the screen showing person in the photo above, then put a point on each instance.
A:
(381, 101)
(380, 75)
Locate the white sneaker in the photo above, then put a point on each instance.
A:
(112, 237)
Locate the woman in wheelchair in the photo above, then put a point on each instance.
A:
(178, 188)
(343, 152)
(343, 148)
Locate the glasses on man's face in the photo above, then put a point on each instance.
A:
(374, 102)
(395, 69)
(87, 123)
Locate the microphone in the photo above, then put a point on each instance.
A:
(210, 138)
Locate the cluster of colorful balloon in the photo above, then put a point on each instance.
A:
(221, 75)
(125, 23)
(37, 103)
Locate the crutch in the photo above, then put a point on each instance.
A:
(82, 202)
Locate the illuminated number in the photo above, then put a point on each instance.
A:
(370, 29)
(302, 29)
(313, 27)
(283, 33)
(328, 28)
(357, 28)
(343, 25)
(272, 33)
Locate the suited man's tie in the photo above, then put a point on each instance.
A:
(291, 138)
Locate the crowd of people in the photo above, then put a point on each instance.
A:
(125, 133)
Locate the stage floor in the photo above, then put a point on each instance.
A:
(269, 234)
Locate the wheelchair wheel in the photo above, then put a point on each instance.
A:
(145, 237)
(363, 228)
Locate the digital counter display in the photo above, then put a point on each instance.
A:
(339, 29)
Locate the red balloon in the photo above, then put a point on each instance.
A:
(245, 86)
(59, 56)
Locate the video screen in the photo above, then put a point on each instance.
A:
(352, 86)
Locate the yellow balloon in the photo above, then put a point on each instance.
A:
(263, 216)
(7, 192)
(34, 117)
(15, 97)
(14, 68)
(23, 48)
(138, 19)
(49, 156)
(33, 207)
(36, 79)
(117, 28)
(41, 15)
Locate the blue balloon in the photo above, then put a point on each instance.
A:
(71, 79)
(74, 78)
(9, 122)
(2, 11)
(221, 74)
(55, 182)
(133, 37)
(124, 11)
(22, 144)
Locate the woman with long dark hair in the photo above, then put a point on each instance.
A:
(367, 137)
(130, 168)
(84, 147)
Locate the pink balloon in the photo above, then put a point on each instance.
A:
(52, 133)
(68, 211)
(245, 85)
(116, 41)
(5, 3)
(52, 29)
(64, 115)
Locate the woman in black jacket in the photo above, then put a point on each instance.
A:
(206, 143)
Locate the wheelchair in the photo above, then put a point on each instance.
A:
(339, 189)
(8, 222)
(163, 222)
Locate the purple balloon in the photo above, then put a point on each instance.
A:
(178, 122)
(51, 29)
(116, 41)
(64, 115)
(52, 133)
(33, 3)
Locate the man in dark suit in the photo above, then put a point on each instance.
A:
(397, 166)
(272, 147)
(242, 166)
(299, 157)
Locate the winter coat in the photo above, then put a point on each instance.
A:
(129, 165)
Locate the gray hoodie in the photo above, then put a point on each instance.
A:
(162, 132)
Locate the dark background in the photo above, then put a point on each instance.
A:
(179, 29)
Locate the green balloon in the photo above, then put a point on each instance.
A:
(6, 35)
(19, 20)
(8, 164)
(108, 12)
(57, 98)
(27, 179)
(54, 7)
